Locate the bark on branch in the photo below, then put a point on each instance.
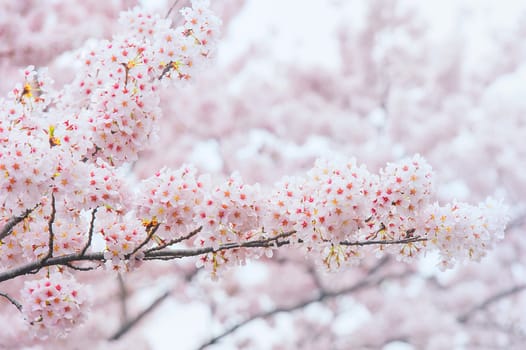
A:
(12, 301)
(323, 295)
(492, 299)
(15, 220)
(132, 322)
(170, 254)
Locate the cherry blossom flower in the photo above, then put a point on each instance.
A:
(53, 305)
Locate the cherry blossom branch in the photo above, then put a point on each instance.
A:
(35, 266)
(384, 242)
(324, 294)
(132, 322)
(123, 296)
(492, 299)
(175, 241)
(90, 231)
(180, 253)
(263, 243)
(151, 232)
(80, 268)
(272, 242)
(50, 228)
(12, 301)
(15, 220)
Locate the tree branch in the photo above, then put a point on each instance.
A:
(148, 238)
(123, 295)
(271, 242)
(180, 253)
(320, 298)
(34, 266)
(15, 220)
(492, 299)
(262, 243)
(176, 240)
(171, 8)
(384, 242)
(12, 301)
(50, 229)
(128, 325)
(187, 276)
(80, 268)
(90, 231)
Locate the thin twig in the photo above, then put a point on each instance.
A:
(128, 325)
(15, 220)
(35, 266)
(50, 229)
(322, 296)
(179, 253)
(165, 254)
(12, 301)
(315, 278)
(176, 240)
(385, 242)
(148, 238)
(80, 268)
(378, 265)
(166, 69)
(171, 9)
(90, 231)
(261, 243)
(492, 299)
(123, 296)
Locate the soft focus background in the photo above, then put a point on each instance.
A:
(297, 80)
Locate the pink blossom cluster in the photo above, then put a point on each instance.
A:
(403, 192)
(462, 231)
(53, 305)
(29, 241)
(123, 235)
(75, 190)
(229, 212)
(26, 161)
(115, 95)
(169, 197)
(70, 142)
(61, 152)
(333, 210)
(62, 156)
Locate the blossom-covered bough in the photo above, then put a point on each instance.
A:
(68, 204)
